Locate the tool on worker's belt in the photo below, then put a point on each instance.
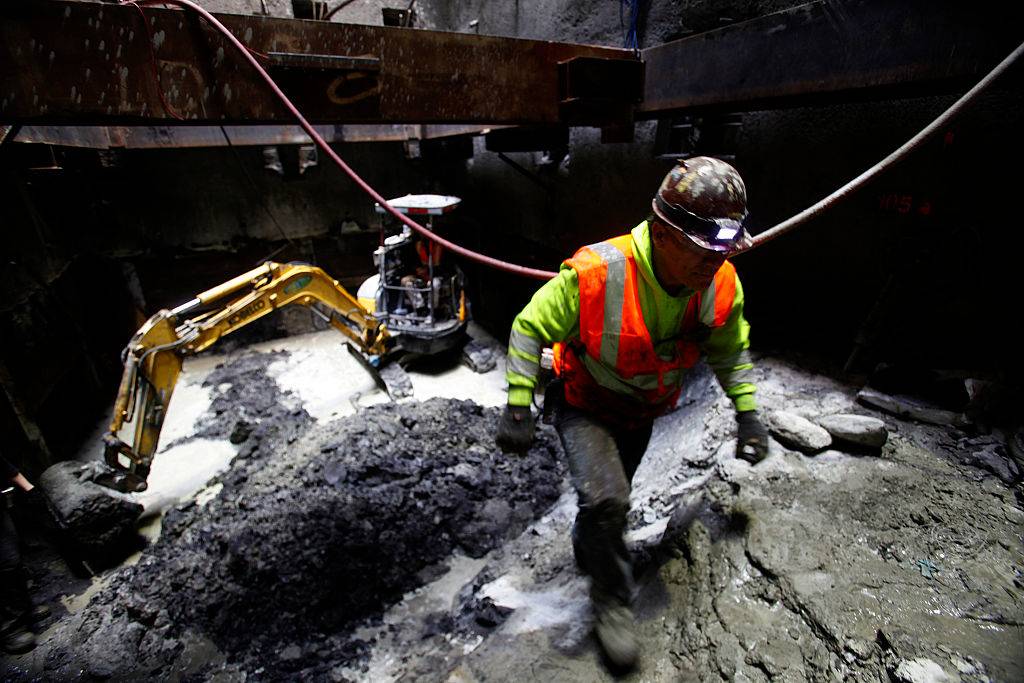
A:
(551, 386)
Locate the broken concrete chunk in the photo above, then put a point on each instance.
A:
(859, 430)
(798, 432)
(479, 357)
(914, 409)
(97, 518)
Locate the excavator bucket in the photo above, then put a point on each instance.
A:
(390, 378)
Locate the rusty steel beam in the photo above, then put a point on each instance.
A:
(161, 137)
(75, 63)
(828, 51)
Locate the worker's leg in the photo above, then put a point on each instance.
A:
(632, 446)
(14, 600)
(603, 488)
(595, 455)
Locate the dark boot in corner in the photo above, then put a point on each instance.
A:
(15, 638)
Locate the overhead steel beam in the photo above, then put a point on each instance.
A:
(831, 50)
(161, 137)
(75, 63)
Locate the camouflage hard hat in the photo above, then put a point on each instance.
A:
(706, 199)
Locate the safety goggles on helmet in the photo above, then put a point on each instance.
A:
(715, 234)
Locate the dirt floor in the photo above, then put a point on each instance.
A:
(397, 543)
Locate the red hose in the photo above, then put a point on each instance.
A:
(322, 144)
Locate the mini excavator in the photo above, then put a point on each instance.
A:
(428, 310)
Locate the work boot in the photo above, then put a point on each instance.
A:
(17, 612)
(615, 629)
(14, 637)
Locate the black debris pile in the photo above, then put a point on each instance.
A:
(317, 530)
(247, 400)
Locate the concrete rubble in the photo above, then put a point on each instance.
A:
(398, 544)
(911, 408)
(856, 430)
(798, 432)
(992, 457)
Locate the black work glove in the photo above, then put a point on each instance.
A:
(751, 437)
(515, 429)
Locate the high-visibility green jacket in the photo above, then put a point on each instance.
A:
(553, 316)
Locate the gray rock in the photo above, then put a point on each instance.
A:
(97, 518)
(859, 430)
(479, 357)
(798, 432)
(991, 458)
(914, 409)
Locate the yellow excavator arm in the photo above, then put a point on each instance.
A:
(153, 357)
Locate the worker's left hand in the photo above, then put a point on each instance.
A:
(515, 429)
(751, 437)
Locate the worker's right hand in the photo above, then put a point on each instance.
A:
(515, 429)
(751, 437)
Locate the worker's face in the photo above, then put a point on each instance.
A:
(679, 261)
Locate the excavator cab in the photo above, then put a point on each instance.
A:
(418, 291)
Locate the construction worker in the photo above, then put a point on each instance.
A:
(17, 613)
(627, 317)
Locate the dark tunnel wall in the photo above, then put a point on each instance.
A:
(936, 234)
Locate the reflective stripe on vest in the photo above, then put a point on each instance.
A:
(617, 351)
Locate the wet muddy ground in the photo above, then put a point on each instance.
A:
(398, 544)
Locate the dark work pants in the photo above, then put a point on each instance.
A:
(602, 461)
(14, 599)
(10, 555)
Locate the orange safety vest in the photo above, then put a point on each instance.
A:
(612, 370)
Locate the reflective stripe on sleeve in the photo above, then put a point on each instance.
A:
(741, 357)
(522, 366)
(731, 378)
(525, 344)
